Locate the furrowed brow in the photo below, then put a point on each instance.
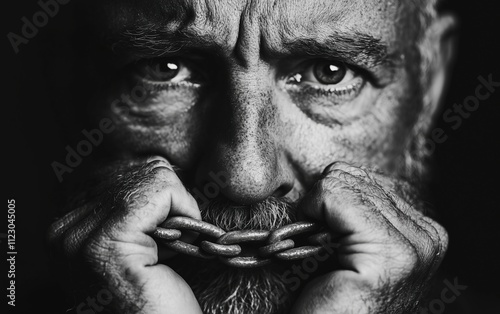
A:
(356, 49)
(149, 42)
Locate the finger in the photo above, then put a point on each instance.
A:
(156, 194)
(183, 204)
(59, 227)
(384, 241)
(73, 220)
(149, 193)
(378, 196)
(352, 202)
(74, 237)
(393, 197)
(436, 243)
(336, 199)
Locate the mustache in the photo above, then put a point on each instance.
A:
(268, 214)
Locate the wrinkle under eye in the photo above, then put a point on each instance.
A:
(328, 78)
(166, 73)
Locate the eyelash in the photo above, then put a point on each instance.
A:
(337, 94)
(343, 93)
(141, 70)
(165, 86)
(352, 90)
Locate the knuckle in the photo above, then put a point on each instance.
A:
(158, 163)
(346, 168)
(335, 165)
(161, 172)
(329, 184)
(429, 249)
(409, 257)
(439, 236)
(160, 175)
(155, 169)
(59, 227)
(445, 240)
(55, 231)
(58, 232)
(337, 174)
(434, 240)
(159, 167)
(155, 158)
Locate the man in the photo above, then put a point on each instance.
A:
(303, 110)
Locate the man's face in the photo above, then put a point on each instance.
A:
(266, 92)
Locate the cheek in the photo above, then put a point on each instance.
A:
(380, 138)
(154, 124)
(376, 138)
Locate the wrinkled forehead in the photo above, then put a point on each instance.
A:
(231, 21)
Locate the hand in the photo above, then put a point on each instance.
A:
(388, 249)
(110, 232)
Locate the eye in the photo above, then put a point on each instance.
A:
(161, 72)
(327, 76)
(327, 72)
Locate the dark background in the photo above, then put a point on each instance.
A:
(466, 185)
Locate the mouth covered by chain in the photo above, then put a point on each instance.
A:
(244, 248)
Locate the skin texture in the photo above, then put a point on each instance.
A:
(342, 156)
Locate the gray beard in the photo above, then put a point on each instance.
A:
(222, 289)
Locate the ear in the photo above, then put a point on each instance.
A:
(438, 52)
(440, 43)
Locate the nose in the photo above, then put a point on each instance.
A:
(245, 156)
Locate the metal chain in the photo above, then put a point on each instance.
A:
(227, 245)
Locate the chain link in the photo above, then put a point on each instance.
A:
(227, 246)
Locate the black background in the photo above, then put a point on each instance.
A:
(466, 186)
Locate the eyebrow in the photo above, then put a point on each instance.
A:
(151, 41)
(352, 48)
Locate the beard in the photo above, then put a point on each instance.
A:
(223, 289)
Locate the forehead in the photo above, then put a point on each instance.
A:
(273, 22)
